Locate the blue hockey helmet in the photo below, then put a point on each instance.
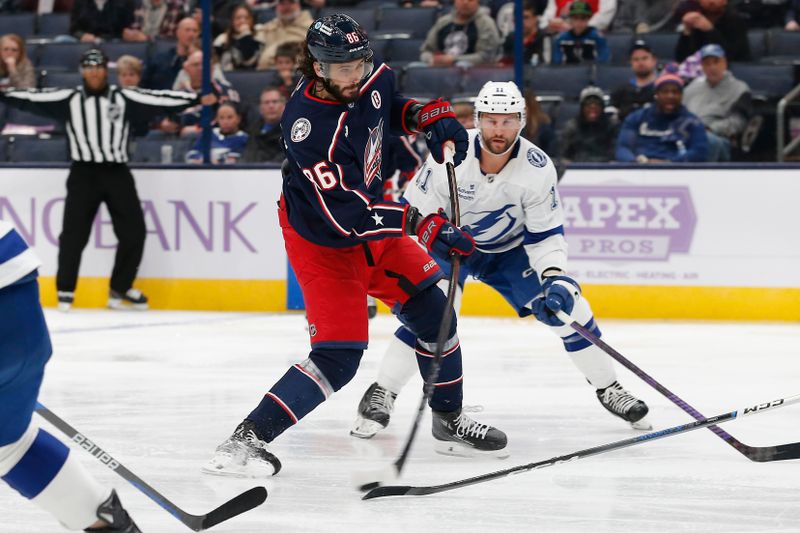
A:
(338, 38)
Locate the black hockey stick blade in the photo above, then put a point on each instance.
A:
(759, 454)
(236, 506)
(389, 490)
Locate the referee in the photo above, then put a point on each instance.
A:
(97, 117)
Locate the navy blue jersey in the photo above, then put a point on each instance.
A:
(334, 184)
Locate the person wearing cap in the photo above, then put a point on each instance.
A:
(532, 39)
(466, 36)
(98, 120)
(590, 137)
(638, 91)
(713, 21)
(290, 24)
(555, 18)
(582, 43)
(664, 132)
(722, 102)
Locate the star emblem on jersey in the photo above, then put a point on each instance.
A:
(378, 219)
(300, 129)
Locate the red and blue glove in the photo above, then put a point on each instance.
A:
(438, 121)
(559, 293)
(442, 237)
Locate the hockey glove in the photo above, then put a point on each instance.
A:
(559, 293)
(442, 237)
(438, 121)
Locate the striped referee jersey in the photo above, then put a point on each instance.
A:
(97, 124)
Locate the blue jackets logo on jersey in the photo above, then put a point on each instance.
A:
(300, 129)
(372, 154)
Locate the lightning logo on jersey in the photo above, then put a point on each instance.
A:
(492, 226)
(372, 154)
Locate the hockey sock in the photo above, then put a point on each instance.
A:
(41, 468)
(398, 363)
(303, 388)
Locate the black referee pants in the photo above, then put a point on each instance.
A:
(88, 185)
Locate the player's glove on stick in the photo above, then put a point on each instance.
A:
(438, 121)
(559, 293)
(442, 237)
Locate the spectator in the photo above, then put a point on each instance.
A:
(465, 113)
(663, 132)
(643, 16)
(157, 19)
(763, 13)
(227, 140)
(290, 25)
(722, 102)
(793, 16)
(238, 48)
(712, 22)
(129, 71)
(264, 144)
(286, 67)
(466, 36)
(555, 16)
(589, 137)
(420, 3)
(532, 39)
(165, 66)
(538, 127)
(190, 79)
(16, 70)
(639, 90)
(94, 20)
(582, 42)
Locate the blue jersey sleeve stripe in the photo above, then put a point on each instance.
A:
(11, 245)
(534, 238)
(40, 464)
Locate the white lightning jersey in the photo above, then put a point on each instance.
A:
(518, 206)
(16, 259)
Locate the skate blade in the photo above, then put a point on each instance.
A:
(642, 425)
(118, 305)
(249, 470)
(365, 429)
(456, 449)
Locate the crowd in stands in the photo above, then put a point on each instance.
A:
(640, 81)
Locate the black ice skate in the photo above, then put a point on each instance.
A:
(244, 454)
(374, 411)
(132, 299)
(372, 307)
(65, 300)
(457, 434)
(117, 518)
(626, 406)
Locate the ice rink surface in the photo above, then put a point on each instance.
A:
(160, 390)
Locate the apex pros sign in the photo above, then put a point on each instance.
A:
(627, 223)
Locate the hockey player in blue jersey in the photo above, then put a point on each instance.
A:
(344, 241)
(509, 202)
(32, 461)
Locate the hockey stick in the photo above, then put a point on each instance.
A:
(368, 480)
(760, 454)
(388, 490)
(238, 505)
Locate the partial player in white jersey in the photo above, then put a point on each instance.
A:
(509, 201)
(32, 461)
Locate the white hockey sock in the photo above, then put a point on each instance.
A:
(42, 469)
(398, 365)
(595, 365)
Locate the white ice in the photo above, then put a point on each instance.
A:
(160, 390)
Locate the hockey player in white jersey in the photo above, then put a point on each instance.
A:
(509, 201)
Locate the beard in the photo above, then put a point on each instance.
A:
(337, 92)
(495, 148)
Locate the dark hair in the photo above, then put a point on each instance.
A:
(536, 116)
(232, 106)
(272, 88)
(288, 49)
(229, 33)
(305, 63)
(527, 5)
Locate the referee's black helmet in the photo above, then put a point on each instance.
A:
(337, 39)
(94, 57)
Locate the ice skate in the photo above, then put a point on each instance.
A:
(374, 411)
(132, 299)
(457, 434)
(626, 406)
(244, 454)
(65, 300)
(117, 518)
(372, 307)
